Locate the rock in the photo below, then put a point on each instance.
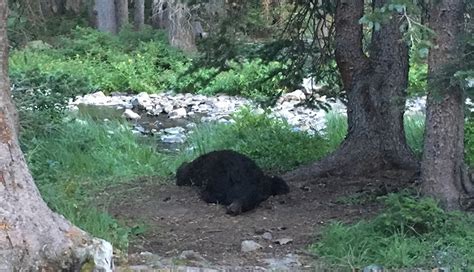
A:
(249, 245)
(267, 236)
(224, 105)
(139, 128)
(191, 255)
(129, 114)
(142, 101)
(192, 258)
(283, 241)
(174, 130)
(297, 95)
(373, 268)
(178, 113)
(173, 139)
(100, 252)
(167, 107)
(191, 125)
(287, 263)
(157, 110)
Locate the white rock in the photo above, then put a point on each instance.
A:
(167, 107)
(249, 245)
(177, 113)
(297, 95)
(141, 101)
(267, 236)
(129, 114)
(174, 130)
(283, 241)
(101, 253)
(173, 139)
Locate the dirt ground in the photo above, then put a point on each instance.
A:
(177, 220)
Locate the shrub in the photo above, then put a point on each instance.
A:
(409, 233)
(417, 77)
(250, 78)
(130, 61)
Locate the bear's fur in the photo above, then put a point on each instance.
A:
(229, 178)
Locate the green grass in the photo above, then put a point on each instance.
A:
(269, 141)
(409, 233)
(80, 158)
(414, 131)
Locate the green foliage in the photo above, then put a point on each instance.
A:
(414, 132)
(469, 141)
(131, 61)
(41, 98)
(80, 158)
(250, 78)
(269, 141)
(417, 78)
(336, 129)
(409, 233)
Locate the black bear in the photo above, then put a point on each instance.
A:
(229, 178)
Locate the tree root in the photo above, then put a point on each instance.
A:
(354, 159)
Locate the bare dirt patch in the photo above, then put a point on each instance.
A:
(177, 220)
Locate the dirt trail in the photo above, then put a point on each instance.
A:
(177, 220)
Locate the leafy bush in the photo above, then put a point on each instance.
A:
(417, 78)
(127, 62)
(250, 78)
(41, 99)
(409, 233)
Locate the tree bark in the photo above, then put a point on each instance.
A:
(105, 16)
(139, 14)
(376, 93)
(32, 237)
(121, 13)
(443, 172)
(175, 17)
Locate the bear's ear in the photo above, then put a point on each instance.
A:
(279, 186)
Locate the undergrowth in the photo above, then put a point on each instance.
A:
(79, 158)
(269, 141)
(409, 233)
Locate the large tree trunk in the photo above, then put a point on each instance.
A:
(175, 17)
(33, 238)
(105, 16)
(376, 92)
(121, 13)
(443, 172)
(139, 14)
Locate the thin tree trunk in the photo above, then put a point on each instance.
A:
(104, 11)
(33, 238)
(376, 92)
(121, 13)
(139, 14)
(443, 172)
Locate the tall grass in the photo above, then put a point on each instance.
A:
(414, 132)
(82, 157)
(270, 142)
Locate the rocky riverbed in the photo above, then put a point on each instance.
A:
(170, 116)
